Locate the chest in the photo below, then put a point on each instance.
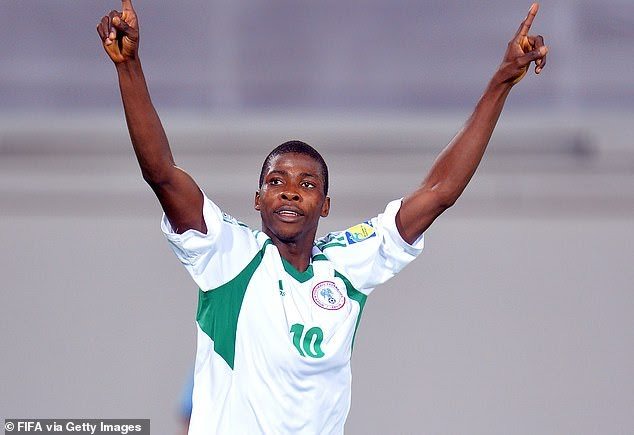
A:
(294, 315)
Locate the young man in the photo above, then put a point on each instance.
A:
(277, 310)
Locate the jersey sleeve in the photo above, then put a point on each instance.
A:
(371, 252)
(214, 258)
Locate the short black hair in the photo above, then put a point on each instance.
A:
(299, 147)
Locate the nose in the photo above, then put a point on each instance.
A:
(290, 196)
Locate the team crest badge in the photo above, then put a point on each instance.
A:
(328, 296)
(359, 233)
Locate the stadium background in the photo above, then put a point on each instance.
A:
(517, 318)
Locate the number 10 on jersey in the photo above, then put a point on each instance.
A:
(308, 344)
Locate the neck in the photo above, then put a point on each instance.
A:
(297, 253)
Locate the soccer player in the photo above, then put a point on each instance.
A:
(278, 309)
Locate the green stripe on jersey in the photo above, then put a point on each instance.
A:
(320, 257)
(218, 309)
(355, 295)
(299, 276)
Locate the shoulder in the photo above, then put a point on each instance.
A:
(372, 251)
(220, 254)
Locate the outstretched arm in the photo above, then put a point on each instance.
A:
(457, 163)
(177, 192)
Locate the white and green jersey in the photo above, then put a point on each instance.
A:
(274, 343)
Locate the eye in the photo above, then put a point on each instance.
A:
(308, 184)
(275, 181)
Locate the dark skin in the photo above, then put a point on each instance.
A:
(286, 182)
(291, 201)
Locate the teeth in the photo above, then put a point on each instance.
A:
(289, 213)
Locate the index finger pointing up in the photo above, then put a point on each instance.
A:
(526, 24)
(126, 5)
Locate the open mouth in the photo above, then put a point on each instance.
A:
(289, 212)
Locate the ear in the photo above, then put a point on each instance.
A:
(256, 202)
(325, 209)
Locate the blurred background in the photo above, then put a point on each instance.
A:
(518, 317)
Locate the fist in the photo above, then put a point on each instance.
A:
(119, 33)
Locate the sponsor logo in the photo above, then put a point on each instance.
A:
(359, 233)
(328, 296)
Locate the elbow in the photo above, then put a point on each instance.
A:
(150, 177)
(155, 177)
(444, 197)
(447, 200)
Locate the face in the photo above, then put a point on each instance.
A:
(291, 199)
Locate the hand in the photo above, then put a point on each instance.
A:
(521, 51)
(119, 32)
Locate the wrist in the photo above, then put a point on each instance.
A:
(498, 85)
(128, 66)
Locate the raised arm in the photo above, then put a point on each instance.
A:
(177, 192)
(457, 163)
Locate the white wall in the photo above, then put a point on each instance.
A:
(516, 319)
